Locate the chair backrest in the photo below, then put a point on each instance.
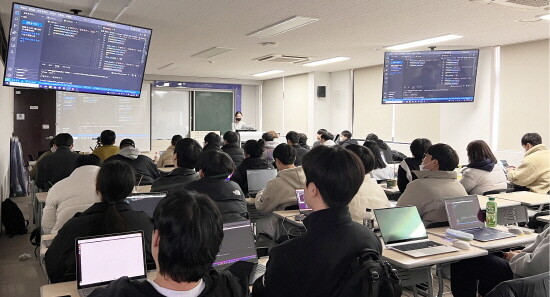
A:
(492, 192)
(512, 215)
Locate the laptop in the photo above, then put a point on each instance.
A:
(238, 245)
(102, 259)
(302, 205)
(403, 231)
(464, 214)
(257, 179)
(146, 202)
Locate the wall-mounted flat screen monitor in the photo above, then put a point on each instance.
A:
(429, 76)
(61, 51)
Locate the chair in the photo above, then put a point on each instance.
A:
(512, 215)
(533, 286)
(492, 192)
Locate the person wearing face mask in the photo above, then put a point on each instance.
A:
(238, 124)
(436, 182)
(534, 171)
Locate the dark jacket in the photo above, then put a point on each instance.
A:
(239, 176)
(300, 152)
(402, 179)
(228, 197)
(55, 167)
(235, 152)
(211, 147)
(60, 257)
(313, 264)
(142, 165)
(217, 284)
(174, 180)
(348, 142)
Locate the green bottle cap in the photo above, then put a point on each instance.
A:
(491, 198)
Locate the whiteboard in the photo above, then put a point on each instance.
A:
(170, 113)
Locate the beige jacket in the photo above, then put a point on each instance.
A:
(370, 195)
(166, 159)
(280, 192)
(534, 171)
(428, 191)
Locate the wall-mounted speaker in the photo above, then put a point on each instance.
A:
(321, 91)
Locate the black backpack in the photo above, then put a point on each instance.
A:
(368, 276)
(12, 218)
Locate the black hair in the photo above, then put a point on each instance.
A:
(88, 159)
(479, 151)
(216, 163)
(338, 185)
(285, 153)
(231, 137)
(445, 155)
(365, 154)
(107, 137)
(532, 138)
(373, 147)
(126, 142)
(303, 138)
(63, 139)
(346, 134)
(372, 137)
(238, 112)
(321, 131)
(419, 147)
(190, 227)
(381, 144)
(188, 152)
(254, 148)
(270, 135)
(293, 137)
(115, 181)
(212, 138)
(327, 136)
(175, 139)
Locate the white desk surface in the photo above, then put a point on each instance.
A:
(501, 203)
(143, 189)
(41, 197)
(494, 244)
(166, 169)
(544, 219)
(526, 198)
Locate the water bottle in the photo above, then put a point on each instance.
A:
(491, 213)
(369, 219)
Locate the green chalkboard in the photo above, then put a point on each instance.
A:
(213, 111)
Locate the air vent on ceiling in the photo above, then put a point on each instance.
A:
(282, 58)
(520, 4)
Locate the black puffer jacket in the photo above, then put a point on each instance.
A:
(235, 152)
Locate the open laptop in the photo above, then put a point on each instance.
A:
(257, 179)
(464, 214)
(102, 259)
(238, 245)
(302, 205)
(146, 202)
(403, 231)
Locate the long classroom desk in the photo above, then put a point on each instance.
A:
(525, 198)
(544, 219)
(498, 244)
(501, 203)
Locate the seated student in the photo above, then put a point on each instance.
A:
(115, 181)
(534, 171)
(384, 148)
(215, 167)
(480, 275)
(280, 192)
(404, 172)
(483, 173)
(186, 155)
(345, 139)
(293, 139)
(370, 194)
(313, 264)
(303, 141)
(327, 139)
(42, 156)
(72, 194)
(231, 147)
(437, 182)
(381, 170)
(271, 141)
(212, 142)
(166, 159)
(58, 165)
(187, 235)
(146, 171)
(253, 150)
(319, 133)
(107, 145)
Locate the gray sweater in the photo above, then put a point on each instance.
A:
(533, 259)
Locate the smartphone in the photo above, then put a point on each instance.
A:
(504, 163)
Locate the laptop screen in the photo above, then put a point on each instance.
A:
(464, 212)
(237, 244)
(105, 258)
(399, 224)
(146, 202)
(257, 179)
(302, 205)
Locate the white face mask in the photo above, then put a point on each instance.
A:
(422, 168)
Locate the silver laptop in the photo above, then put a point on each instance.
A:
(146, 202)
(403, 231)
(464, 214)
(257, 179)
(102, 259)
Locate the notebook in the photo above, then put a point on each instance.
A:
(238, 245)
(403, 231)
(146, 202)
(102, 259)
(302, 205)
(464, 214)
(257, 179)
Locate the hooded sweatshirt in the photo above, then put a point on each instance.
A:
(280, 192)
(145, 170)
(481, 177)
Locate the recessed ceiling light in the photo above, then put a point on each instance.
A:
(545, 17)
(211, 52)
(422, 42)
(326, 61)
(266, 73)
(292, 23)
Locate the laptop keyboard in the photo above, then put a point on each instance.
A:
(482, 232)
(417, 246)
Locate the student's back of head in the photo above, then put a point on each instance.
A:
(292, 137)
(285, 153)
(176, 139)
(373, 147)
(532, 138)
(303, 139)
(346, 134)
(254, 148)
(107, 137)
(212, 139)
(127, 142)
(366, 156)
(188, 152)
(230, 137)
(327, 136)
(479, 151)
(270, 135)
(445, 155)
(63, 139)
(419, 146)
(216, 163)
(89, 159)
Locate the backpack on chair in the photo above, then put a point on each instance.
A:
(368, 276)
(12, 218)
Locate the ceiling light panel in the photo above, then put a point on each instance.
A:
(326, 61)
(211, 52)
(292, 23)
(428, 41)
(266, 73)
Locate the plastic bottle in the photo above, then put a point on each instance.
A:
(369, 219)
(491, 213)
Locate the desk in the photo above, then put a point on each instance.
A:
(43, 250)
(494, 244)
(392, 193)
(525, 198)
(501, 203)
(544, 219)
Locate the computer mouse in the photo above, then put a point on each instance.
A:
(528, 231)
(515, 230)
(463, 245)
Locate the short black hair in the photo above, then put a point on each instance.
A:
(188, 152)
(373, 147)
(175, 139)
(336, 172)
(372, 137)
(216, 163)
(366, 156)
(107, 137)
(63, 139)
(231, 137)
(445, 155)
(270, 135)
(254, 148)
(346, 134)
(327, 136)
(285, 153)
(88, 159)
(321, 131)
(532, 138)
(293, 137)
(190, 227)
(126, 142)
(238, 112)
(419, 147)
(212, 138)
(303, 138)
